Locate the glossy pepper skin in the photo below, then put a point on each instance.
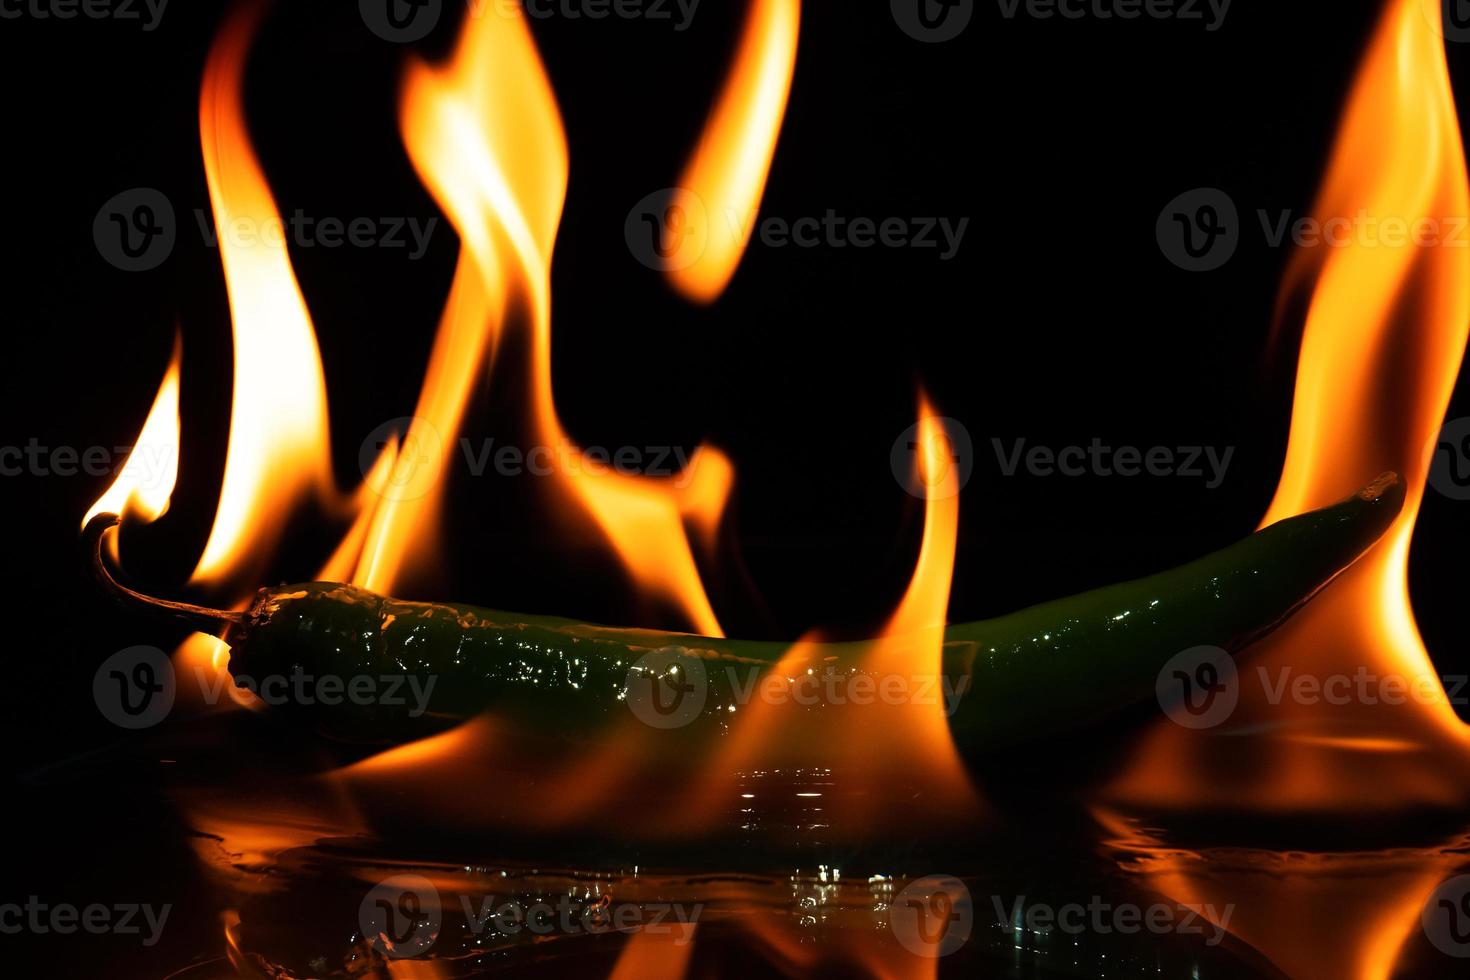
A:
(1043, 669)
(1036, 672)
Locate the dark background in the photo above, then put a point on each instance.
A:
(1059, 321)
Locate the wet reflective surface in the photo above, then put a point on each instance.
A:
(293, 875)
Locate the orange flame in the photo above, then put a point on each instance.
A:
(722, 185)
(914, 637)
(279, 450)
(649, 954)
(146, 482)
(876, 742)
(821, 769)
(1298, 906)
(279, 453)
(485, 133)
(1385, 333)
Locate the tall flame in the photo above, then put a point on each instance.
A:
(871, 746)
(1385, 333)
(722, 184)
(279, 450)
(914, 637)
(279, 453)
(485, 135)
(1384, 337)
(146, 482)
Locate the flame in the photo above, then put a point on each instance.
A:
(878, 743)
(722, 184)
(870, 747)
(279, 451)
(644, 519)
(914, 637)
(1297, 906)
(202, 664)
(145, 484)
(1385, 333)
(485, 134)
(656, 954)
(820, 769)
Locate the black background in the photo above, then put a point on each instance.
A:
(1059, 321)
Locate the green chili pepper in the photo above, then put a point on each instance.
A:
(1045, 669)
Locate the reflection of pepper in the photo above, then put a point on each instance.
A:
(1038, 671)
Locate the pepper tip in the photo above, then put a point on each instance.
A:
(1381, 486)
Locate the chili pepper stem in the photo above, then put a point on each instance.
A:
(199, 616)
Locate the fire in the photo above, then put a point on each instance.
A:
(818, 769)
(485, 134)
(279, 453)
(278, 457)
(722, 184)
(647, 954)
(146, 483)
(914, 637)
(1385, 333)
(879, 743)
(1287, 905)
